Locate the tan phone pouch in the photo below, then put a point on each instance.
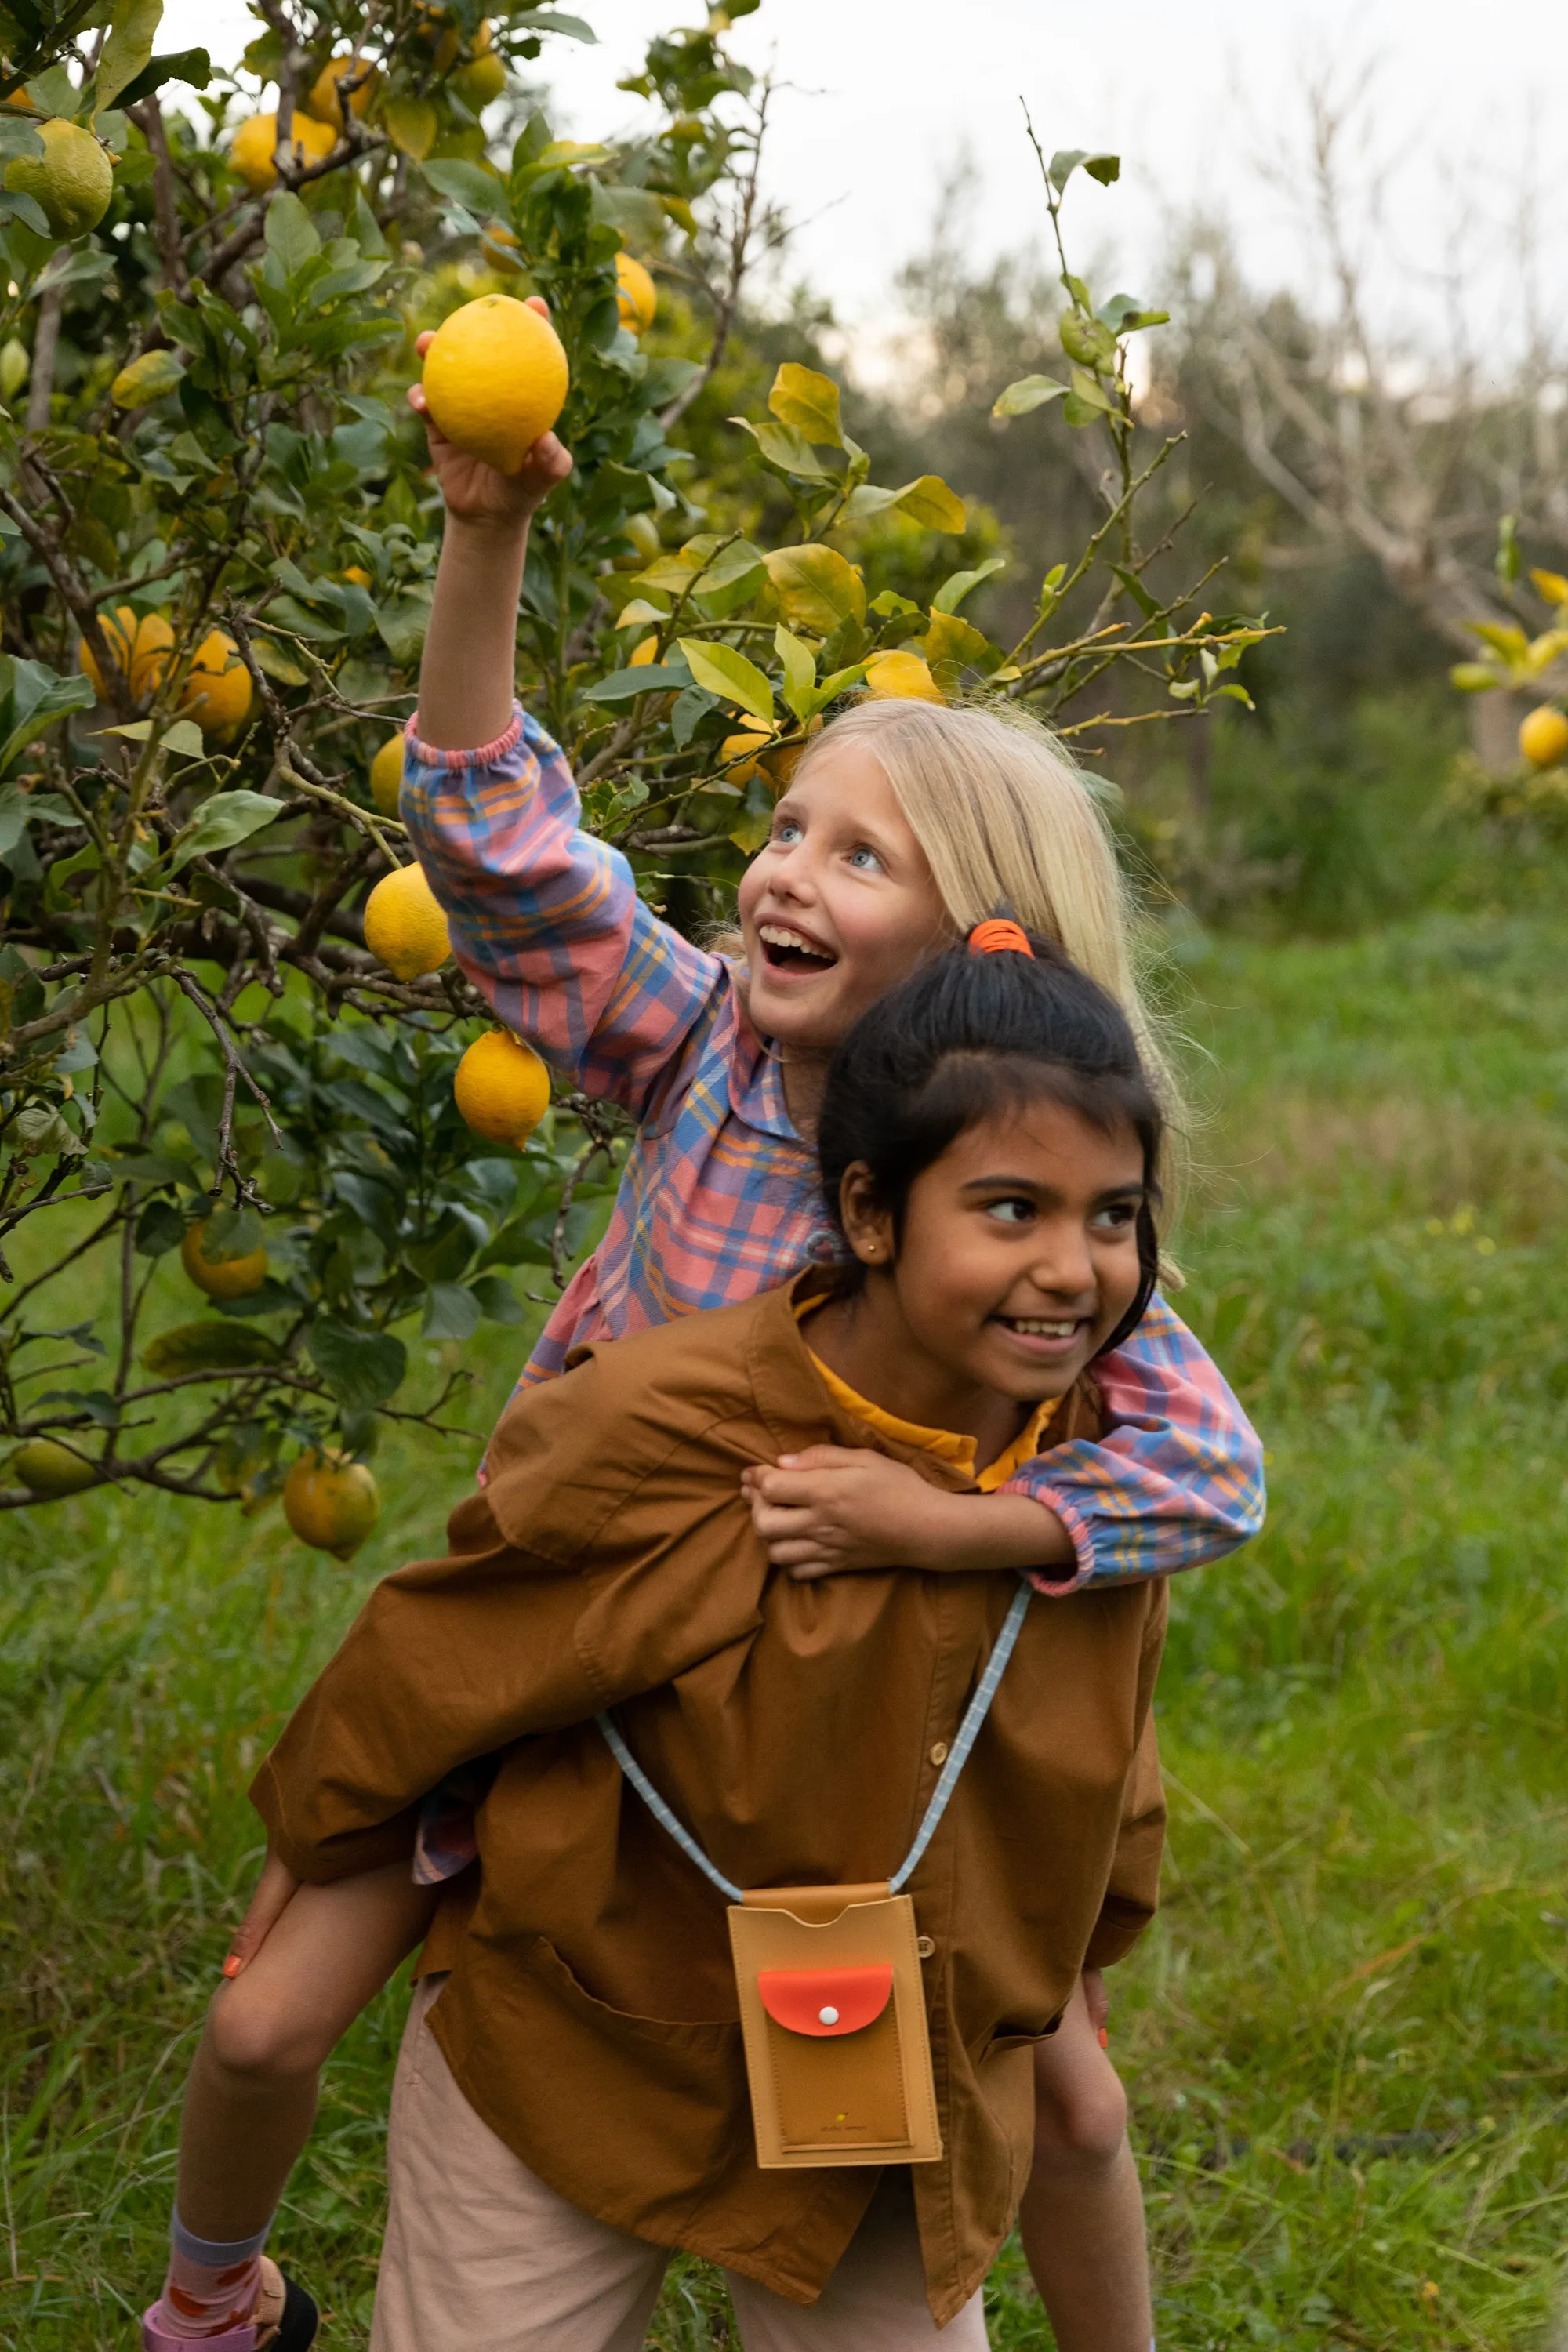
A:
(833, 2012)
(833, 2017)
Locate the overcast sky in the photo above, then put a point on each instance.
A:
(886, 94)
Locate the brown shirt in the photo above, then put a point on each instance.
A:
(590, 2016)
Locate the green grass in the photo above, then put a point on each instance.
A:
(1365, 1927)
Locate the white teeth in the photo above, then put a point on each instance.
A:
(777, 935)
(1039, 1329)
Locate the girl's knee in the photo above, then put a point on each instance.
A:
(1081, 2117)
(254, 2033)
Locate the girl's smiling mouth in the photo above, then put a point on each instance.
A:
(1047, 1336)
(787, 948)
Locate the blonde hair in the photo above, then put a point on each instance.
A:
(1010, 825)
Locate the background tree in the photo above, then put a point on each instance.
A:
(217, 536)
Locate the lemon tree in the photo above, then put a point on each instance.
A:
(257, 1133)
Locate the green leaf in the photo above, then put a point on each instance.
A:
(412, 125)
(275, 664)
(1029, 392)
(931, 504)
(787, 450)
(1124, 314)
(209, 1347)
(35, 698)
(816, 587)
(1087, 389)
(1508, 560)
(1148, 606)
(958, 584)
(807, 402)
(361, 1368)
(147, 379)
(132, 28)
(951, 645)
(626, 685)
(720, 670)
(219, 823)
(480, 190)
(1098, 165)
(193, 67)
(184, 736)
(1473, 678)
(450, 1312)
(291, 232)
(799, 672)
(866, 501)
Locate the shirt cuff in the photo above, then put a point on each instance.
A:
(430, 755)
(1058, 1583)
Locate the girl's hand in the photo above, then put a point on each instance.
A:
(836, 1508)
(477, 493)
(1097, 2000)
(275, 1890)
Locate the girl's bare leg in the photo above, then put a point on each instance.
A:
(1081, 2219)
(252, 2089)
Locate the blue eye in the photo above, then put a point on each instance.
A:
(786, 832)
(866, 860)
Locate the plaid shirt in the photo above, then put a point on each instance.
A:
(720, 1198)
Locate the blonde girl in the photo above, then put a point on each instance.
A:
(903, 825)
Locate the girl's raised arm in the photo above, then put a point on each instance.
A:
(545, 920)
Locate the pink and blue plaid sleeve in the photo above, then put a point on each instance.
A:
(1177, 1478)
(545, 920)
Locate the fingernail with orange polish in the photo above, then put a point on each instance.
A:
(233, 1965)
(1104, 2038)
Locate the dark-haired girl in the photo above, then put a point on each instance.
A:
(571, 2102)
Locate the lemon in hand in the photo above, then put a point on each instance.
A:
(403, 924)
(502, 1088)
(495, 379)
(1544, 737)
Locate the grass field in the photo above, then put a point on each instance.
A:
(1347, 2036)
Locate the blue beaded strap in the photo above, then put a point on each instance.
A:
(975, 1716)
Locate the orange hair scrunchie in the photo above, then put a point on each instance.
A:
(997, 934)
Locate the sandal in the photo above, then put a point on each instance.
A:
(285, 2320)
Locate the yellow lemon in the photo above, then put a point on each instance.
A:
(752, 739)
(73, 179)
(330, 1502)
(1544, 737)
(782, 764)
(502, 1087)
(387, 775)
(644, 653)
(647, 545)
(326, 106)
(49, 1468)
(638, 296)
(221, 1278)
(255, 143)
(480, 81)
(141, 647)
(901, 675)
(495, 378)
(216, 692)
(499, 247)
(405, 926)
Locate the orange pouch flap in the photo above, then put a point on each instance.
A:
(825, 2001)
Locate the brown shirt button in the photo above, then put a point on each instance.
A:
(924, 1947)
(938, 1753)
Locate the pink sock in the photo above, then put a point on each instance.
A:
(210, 2288)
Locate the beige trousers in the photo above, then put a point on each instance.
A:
(480, 2256)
